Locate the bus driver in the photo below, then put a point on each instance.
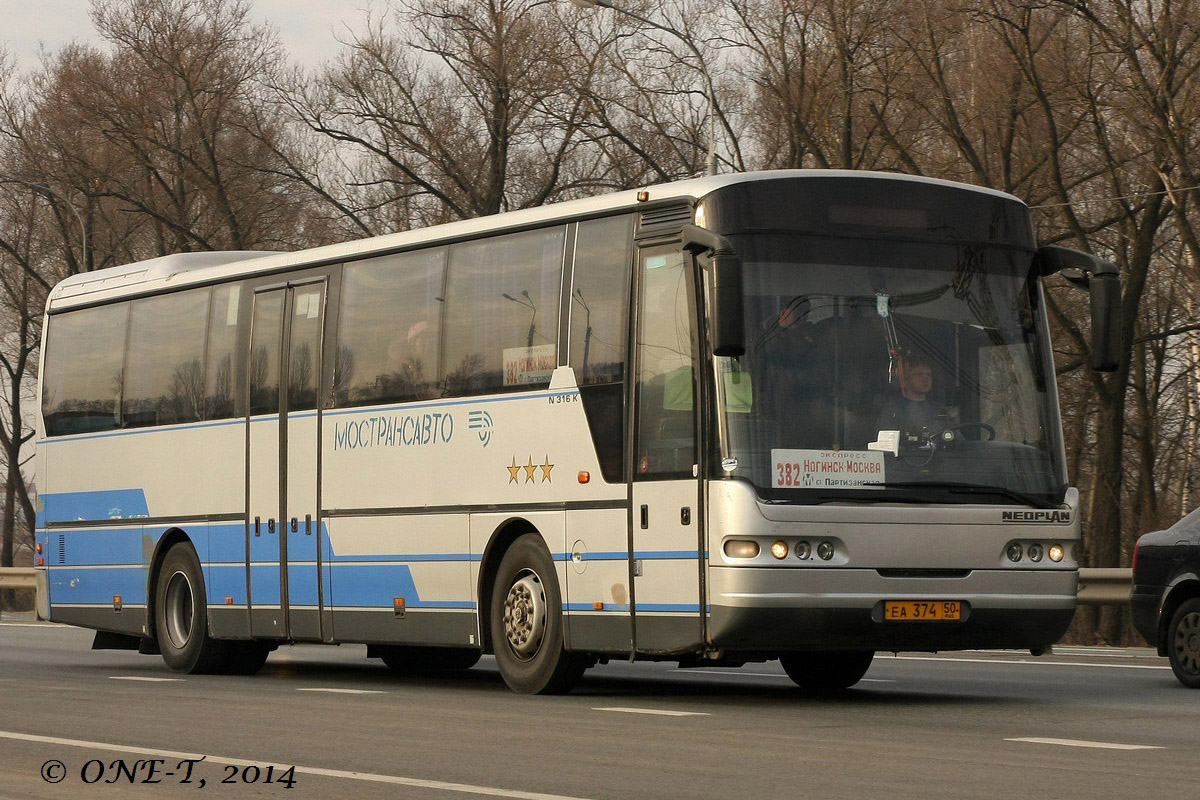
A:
(912, 408)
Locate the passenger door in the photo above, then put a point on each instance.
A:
(286, 541)
(665, 537)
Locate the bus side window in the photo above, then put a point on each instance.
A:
(599, 320)
(164, 369)
(82, 388)
(502, 301)
(390, 328)
(666, 368)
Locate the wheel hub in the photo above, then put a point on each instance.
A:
(1187, 643)
(525, 615)
(180, 608)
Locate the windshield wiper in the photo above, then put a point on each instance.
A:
(968, 488)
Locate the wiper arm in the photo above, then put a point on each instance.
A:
(967, 488)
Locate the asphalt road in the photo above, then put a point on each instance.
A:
(1081, 723)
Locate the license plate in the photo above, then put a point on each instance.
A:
(921, 610)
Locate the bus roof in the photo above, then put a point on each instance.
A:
(184, 269)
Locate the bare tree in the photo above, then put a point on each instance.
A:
(453, 109)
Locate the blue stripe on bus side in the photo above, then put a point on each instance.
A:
(359, 581)
(366, 585)
(111, 504)
(97, 586)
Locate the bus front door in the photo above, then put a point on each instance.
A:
(665, 538)
(286, 545)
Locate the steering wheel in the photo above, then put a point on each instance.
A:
(983, 426)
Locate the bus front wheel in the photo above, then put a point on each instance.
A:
(827, 671)
(526, 622)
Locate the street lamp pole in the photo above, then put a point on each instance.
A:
(711, 158)
(528, 303)
(41, 187)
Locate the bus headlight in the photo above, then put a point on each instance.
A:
(1035, 553)
(780, 549)
(741, 548)
(1055, 552)
(1014, 552)
(825, 550)
(803, 550)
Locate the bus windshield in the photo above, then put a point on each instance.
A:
(882, 370)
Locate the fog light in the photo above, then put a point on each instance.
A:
(1055, 552)
(825, 550)
(1035, 552)
(780, 549)
(741, 548)
(1014, 553)
(803, 551)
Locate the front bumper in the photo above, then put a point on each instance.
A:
(774, 610)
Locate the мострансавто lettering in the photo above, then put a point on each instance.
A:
(394, 430)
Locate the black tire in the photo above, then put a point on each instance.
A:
(827, 671)
(526, 622)
(181, 616)
(417, 660)
(243, 658)
(1183, 643)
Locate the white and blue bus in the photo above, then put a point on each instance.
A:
(670, 424)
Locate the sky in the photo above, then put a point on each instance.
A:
(307, 28)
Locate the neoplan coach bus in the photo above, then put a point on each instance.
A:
(647, 425)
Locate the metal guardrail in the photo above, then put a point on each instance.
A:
(18, 578)
(1104, 586)
(1097, 587)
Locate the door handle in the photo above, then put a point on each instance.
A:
(308, 524)
(645, 517)
(295, 524)
(271, 525)
(258, 526)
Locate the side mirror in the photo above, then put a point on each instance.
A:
(726, 326)
(1106, 322)
(1103, 282)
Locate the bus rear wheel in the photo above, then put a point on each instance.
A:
(827, 671)
(526, 623)
(181, 622)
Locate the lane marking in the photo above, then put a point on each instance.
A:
(141, 678)
(1081, 743)
(343, 691)
(656, 711)
(464, 788)
(1026, 662)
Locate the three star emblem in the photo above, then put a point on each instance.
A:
(530, 469)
